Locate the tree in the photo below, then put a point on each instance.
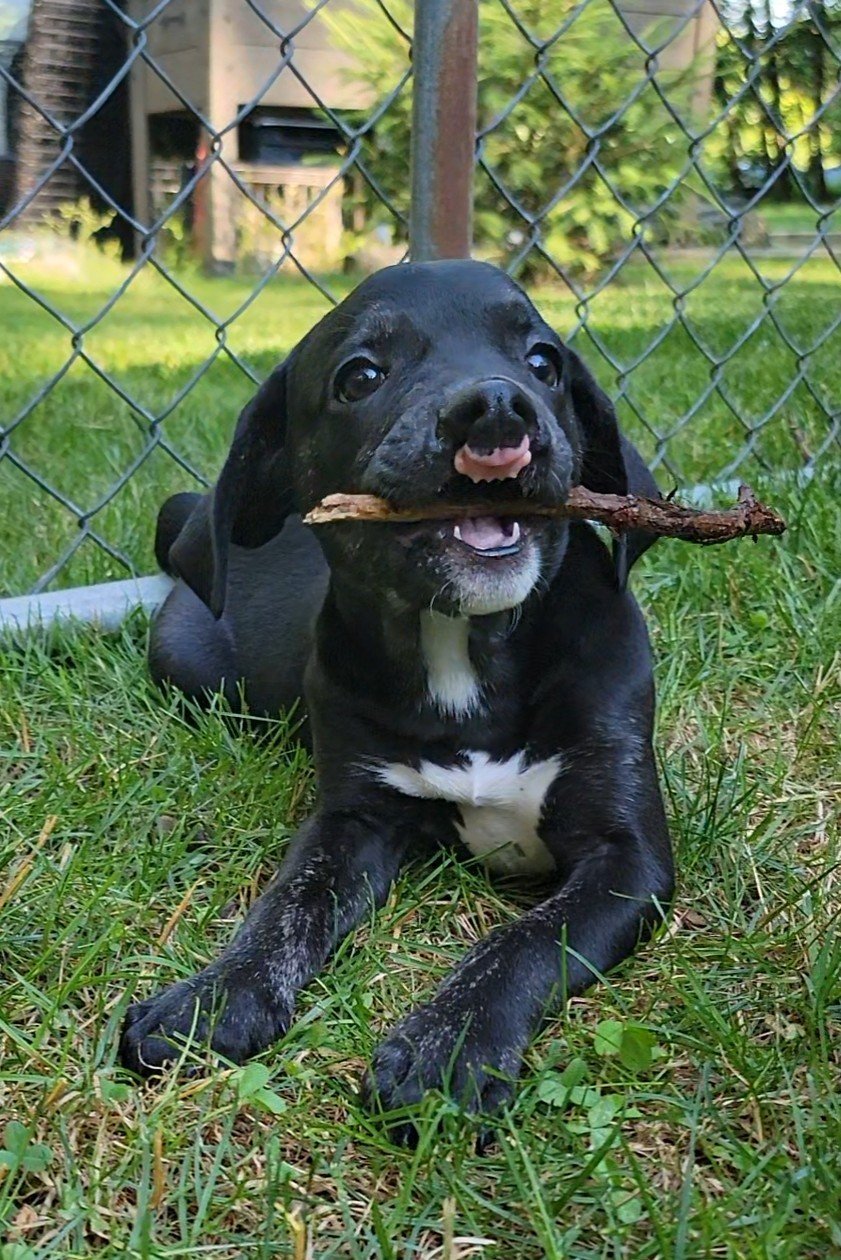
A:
(792, 112)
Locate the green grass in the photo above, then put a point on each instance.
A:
(727, 1145)
(131, 843)
(795, 216)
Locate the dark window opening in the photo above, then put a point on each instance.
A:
(173, 137)
(287, 137)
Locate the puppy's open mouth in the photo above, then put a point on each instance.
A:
(488, 535)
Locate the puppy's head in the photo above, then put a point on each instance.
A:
(430, 382)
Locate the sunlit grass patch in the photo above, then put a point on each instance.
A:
(133, 840)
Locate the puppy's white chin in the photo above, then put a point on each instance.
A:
(480, 594)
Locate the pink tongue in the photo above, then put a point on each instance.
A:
(496, 465)
(483, 532)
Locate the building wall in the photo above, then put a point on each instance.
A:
(248, 55)
(196, 41)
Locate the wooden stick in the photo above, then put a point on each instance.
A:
(619, 512)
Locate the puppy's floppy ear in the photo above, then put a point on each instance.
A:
(602, 463)
(610, 463)
(253, 495)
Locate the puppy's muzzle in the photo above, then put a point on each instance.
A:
(492, 425)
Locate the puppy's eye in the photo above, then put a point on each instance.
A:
(357, 380)
(543, 363)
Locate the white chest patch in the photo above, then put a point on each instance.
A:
(451, 681)
(500, 803)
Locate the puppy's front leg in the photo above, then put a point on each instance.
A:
(338, 866)
(469, 1040)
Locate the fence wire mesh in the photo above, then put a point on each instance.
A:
(187, 187)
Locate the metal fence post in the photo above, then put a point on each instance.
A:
(444, 56)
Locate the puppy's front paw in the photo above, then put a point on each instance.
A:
(471, 1054)
(226, 1011)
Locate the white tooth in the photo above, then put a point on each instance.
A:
(515, 532)
(457, 533)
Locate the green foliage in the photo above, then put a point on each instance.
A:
(635, 1046)
(19, 1154)
(251, 1084)
(592, 179)
(597, 1118)
(80, 221)
(175, 245)
(582, 150)
(794, 93)
(562, 1088)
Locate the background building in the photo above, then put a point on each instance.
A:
(213, 62)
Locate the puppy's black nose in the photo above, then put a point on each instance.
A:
(491, 425)
(488, 416)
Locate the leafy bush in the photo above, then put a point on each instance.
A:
(81, 221)
(786, 130)
(584, 155)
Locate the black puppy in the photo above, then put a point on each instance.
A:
(487, 682)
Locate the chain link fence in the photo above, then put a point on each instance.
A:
(185, 187)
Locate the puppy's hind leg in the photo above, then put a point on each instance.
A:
(191, 650)
(172, 518)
